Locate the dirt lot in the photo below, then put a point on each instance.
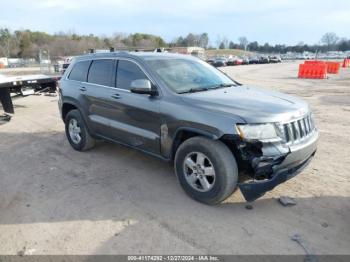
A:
(114, 200)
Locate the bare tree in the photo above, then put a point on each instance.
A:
(218, 41)
(243, 42)
(147, 43)
(330, 39)
(225, 42)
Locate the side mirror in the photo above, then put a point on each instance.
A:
(142, 86)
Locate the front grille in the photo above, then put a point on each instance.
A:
(298, 130)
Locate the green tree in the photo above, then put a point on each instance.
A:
(344, 45)
(204, 40)
(5, 42)
(180, 41)
(253, 46)
(25, 44)
(191, 40)
(232, 45)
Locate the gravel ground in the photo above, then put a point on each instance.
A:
(114, 200)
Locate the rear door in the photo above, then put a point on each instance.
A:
(75, 85)
(98, 88)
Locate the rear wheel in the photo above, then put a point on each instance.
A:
(77, 132)
(206, 169)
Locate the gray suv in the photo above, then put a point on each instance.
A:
(219, 134)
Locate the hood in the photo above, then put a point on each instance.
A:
(254, 105)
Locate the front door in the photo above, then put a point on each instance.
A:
(135, 120)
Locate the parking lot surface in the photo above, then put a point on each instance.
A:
(115, 200)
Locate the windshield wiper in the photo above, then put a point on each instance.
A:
(200, 89)
(193, 90)
(222, 85)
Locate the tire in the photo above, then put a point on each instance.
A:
(85, 141)
(217, 155)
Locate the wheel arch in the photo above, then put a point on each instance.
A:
(66, 108)
(184, 133)
(71, 104)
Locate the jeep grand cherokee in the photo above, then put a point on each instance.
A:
(183, 110)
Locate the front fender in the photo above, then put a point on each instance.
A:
(170, 139)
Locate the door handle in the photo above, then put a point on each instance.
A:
(116, 96)
(82, 88)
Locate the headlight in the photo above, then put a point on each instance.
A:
(267, 132)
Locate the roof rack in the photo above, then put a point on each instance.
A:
(129, 49)
(110, 50)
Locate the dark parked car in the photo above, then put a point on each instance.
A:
(181, 109)
(210, 61)
(220, 62)
(263, 60)
(231, 61)
(254, 60)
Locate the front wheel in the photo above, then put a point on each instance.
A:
(206, 169)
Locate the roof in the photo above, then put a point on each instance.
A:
(142, 55)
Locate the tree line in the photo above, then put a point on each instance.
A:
(328, 42)
(27, 43)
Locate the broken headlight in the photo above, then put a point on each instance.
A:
(268, 132)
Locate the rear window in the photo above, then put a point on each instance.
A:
(102, 72)
(79, 71)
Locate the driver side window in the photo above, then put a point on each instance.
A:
(127, 72)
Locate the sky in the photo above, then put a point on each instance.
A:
(274, 21)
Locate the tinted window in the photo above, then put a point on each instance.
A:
(79, 71)
(128, 72)
(102, 72)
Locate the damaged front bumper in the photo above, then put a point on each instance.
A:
(253, 190)
(276, 164)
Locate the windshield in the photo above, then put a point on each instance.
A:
(184, 75)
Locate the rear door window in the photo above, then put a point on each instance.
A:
(102, 72)
(79, 71)
(128, 72)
